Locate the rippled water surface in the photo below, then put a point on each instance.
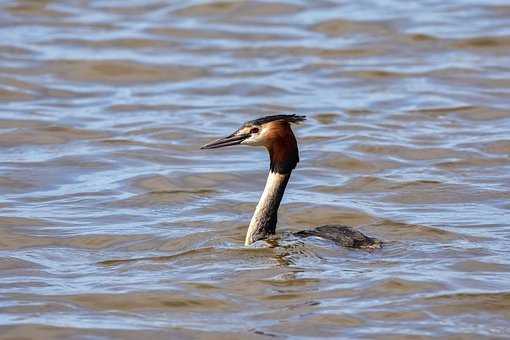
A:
(113, 223)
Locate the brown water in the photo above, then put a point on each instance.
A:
(115, 224)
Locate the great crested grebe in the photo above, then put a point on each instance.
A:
(275, 134)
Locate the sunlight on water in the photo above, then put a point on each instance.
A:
(115, 224)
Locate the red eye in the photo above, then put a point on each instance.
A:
(254, 130)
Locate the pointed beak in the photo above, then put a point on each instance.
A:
(227, 141)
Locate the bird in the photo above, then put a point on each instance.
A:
(274, 132)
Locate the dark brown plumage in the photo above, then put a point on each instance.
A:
(282, 147)
(342, 235)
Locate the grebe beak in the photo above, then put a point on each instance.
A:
(227, 141)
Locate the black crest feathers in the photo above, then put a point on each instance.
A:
(288, 118)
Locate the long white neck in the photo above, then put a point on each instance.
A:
(263, 222)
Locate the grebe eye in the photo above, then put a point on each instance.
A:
(254, 130)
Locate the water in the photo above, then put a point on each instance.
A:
(114, 224)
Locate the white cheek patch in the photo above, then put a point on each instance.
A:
(254, 140)
(250, 141)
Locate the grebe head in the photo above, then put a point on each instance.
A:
(272, 132)
(265, 131)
